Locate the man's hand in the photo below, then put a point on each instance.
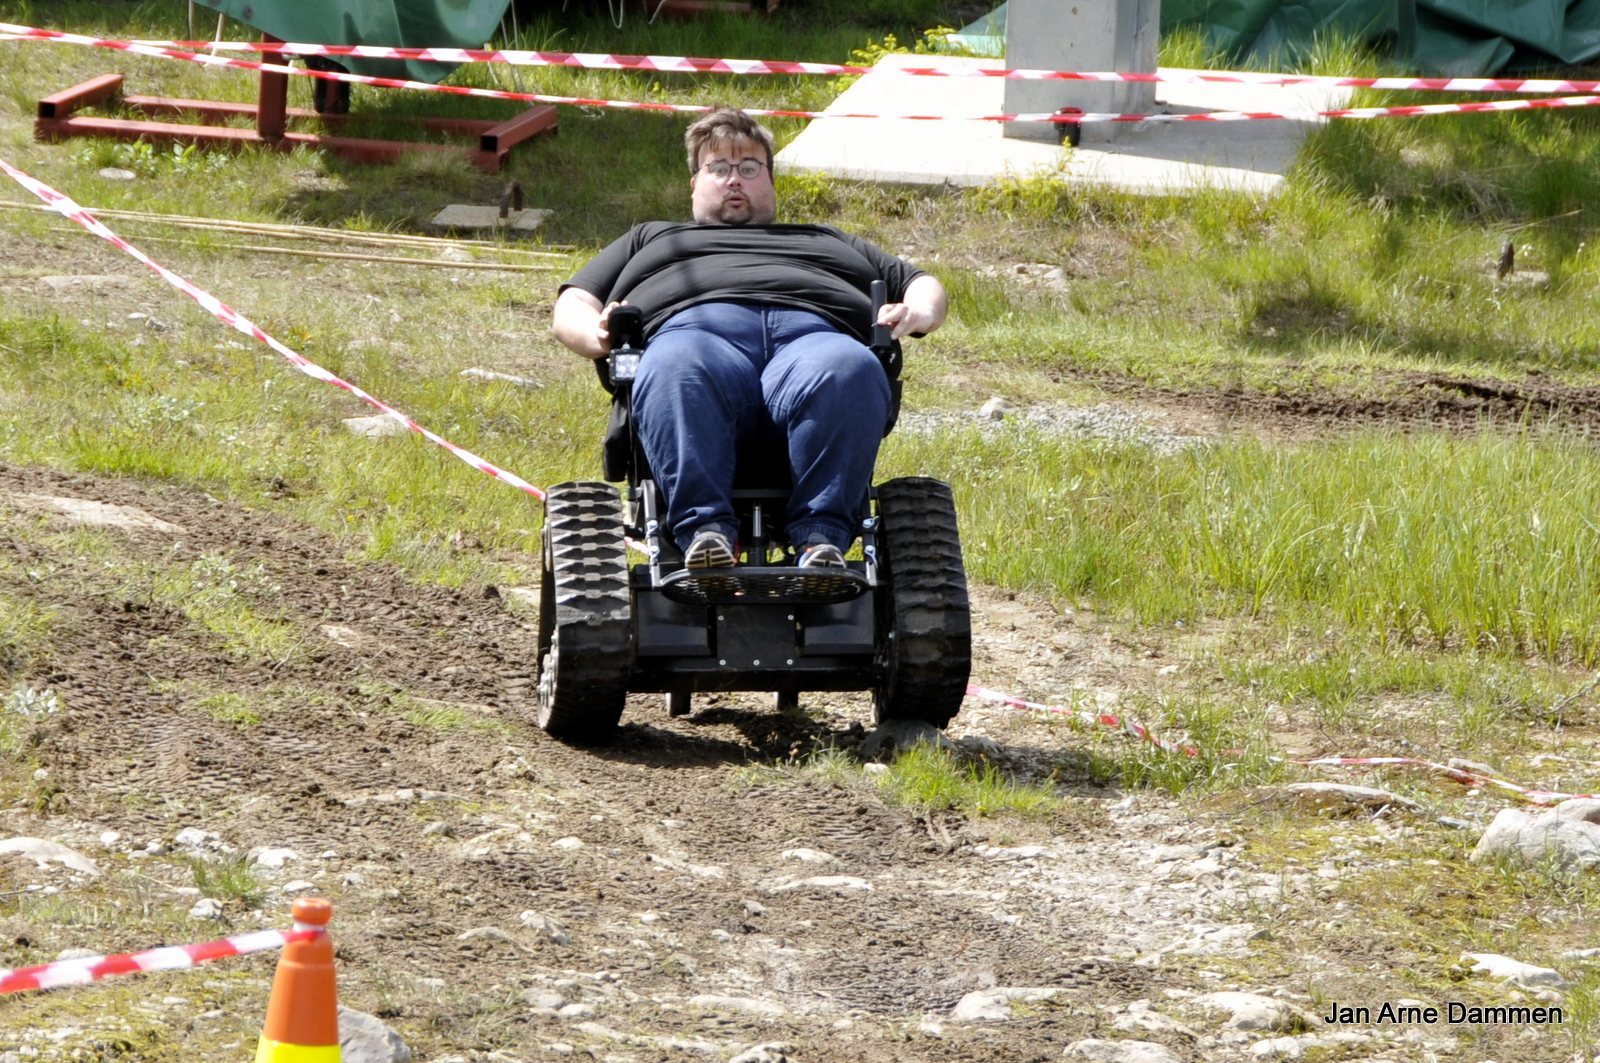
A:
(922, 311)
(580, 322)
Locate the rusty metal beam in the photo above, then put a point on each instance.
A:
(508, 134)
(273, 101)
(91, 92)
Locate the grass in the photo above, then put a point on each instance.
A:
(1366, 569)
(227, 878)
(930, 779)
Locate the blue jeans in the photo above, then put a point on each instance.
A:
(721, 380)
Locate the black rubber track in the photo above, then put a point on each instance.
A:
(923, 601)
(585, 634)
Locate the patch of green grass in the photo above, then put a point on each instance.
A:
(1220, 744)
(927, 778)
(227, 878)
(26, 631)
(441, 716)
(1431, 540)
(231, 708)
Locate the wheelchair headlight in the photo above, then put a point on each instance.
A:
(624, 365)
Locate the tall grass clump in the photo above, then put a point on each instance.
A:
(930, 779)
(1479, 542)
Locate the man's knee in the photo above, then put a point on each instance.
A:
(840, 368)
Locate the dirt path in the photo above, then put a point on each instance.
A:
(710, 898)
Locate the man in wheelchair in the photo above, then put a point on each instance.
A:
(758, 343)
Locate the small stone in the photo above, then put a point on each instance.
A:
(718, 934)
(439, 828)
(809, 856)
(771, 1052)
(116, 173)
(994, 1005)
(1515, 971)
(206, 908)
(1341, 797)
(195, 838)
(366, 1038)
(298, 885)
(1251, 1011)
(568, 843)
(1475, 766)
(487, 374)
(110, 838)
(1278, 1048)
(748, 1005)
(825, 882)
(996, 409)
(486, 933)
(1097, 1051)
(560, 1048)
(893, 737)
(375, 427)
(545, 925)
(76, 954)
(275, 858)
(543, 998)
(575, 1012)
(1568, 834)
(43, 853)
(755, 907)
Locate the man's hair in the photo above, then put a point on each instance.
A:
(721, 126)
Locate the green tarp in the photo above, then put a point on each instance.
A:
(1463, 38)
(1457, 38)
(396, 23)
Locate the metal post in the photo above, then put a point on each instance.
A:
(1079, 35)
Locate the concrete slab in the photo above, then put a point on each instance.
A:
(469, 216)
(1157, 157)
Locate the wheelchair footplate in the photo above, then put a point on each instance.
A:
(749, 584)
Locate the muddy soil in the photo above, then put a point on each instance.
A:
(390, 748)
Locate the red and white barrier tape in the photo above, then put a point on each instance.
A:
(782, 67)
(1138, 730)
(685, 108)
(64, 206)
(172, 958)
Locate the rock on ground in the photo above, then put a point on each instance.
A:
(1332, 796)
(1507, 969)
(994, 1005)
(772, 1052)
(894, 737)
(1097, 1051)
(43, 852)
(1251, 1011)
(1568, 834)
(366, 1038)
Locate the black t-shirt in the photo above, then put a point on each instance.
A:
(664, 267)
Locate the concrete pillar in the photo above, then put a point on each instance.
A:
(1119, 35)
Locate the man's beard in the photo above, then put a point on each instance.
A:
(739, 214)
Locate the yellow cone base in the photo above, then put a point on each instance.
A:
(276, 1052)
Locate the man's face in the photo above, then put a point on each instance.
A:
(733, 200)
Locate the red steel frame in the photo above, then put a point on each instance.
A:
(56, 121)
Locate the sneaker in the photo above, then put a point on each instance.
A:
(710, 549)
(822, 555)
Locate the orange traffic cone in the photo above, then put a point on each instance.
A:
(303, 1016)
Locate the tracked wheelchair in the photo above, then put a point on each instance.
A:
(896, 622)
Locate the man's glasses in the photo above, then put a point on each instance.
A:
(721, 168)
